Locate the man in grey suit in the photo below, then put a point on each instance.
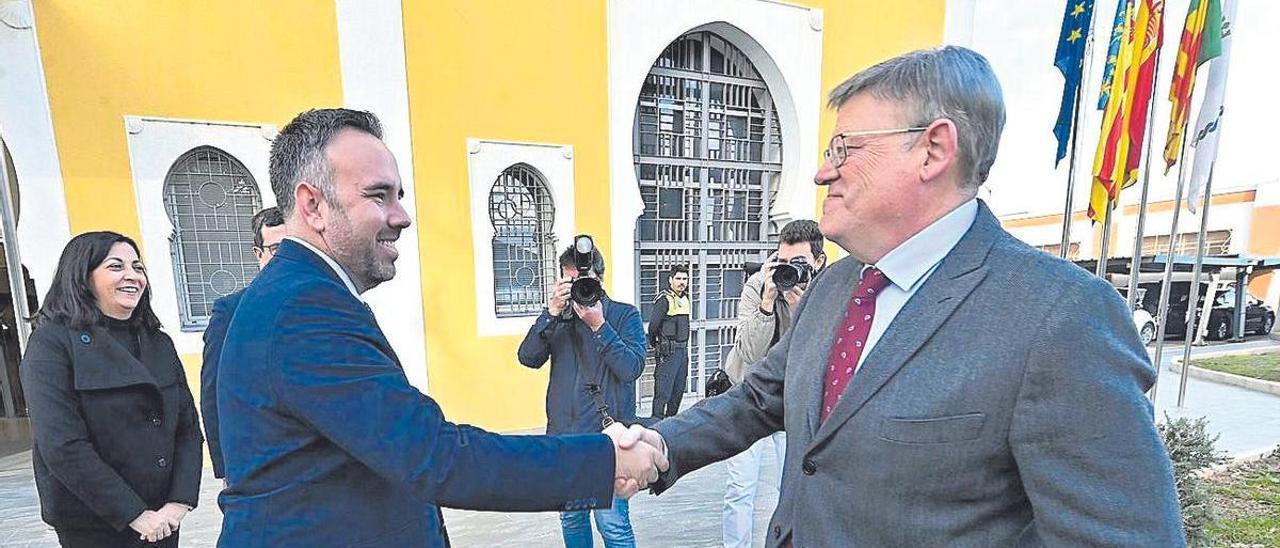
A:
(998, 398)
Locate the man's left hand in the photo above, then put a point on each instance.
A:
(592, 315)
(793, 295)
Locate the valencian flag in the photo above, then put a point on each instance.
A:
(1069, 59)
(1201, 41)
(1118, 27)
(1124, 121)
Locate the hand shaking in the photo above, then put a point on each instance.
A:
(636, 465)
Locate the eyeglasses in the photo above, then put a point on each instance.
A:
(273, 248)
(838, 151)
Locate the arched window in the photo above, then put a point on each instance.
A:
(209, 197)
(708, 158)
(524, 246)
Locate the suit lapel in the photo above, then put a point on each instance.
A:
(821, 316)
(928, 310)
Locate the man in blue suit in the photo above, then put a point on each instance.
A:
(326, 443)
(268, 230)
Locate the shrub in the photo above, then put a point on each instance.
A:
(1191, 449)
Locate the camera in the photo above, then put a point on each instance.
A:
(585, 290)
(790, 274)
(786, 275)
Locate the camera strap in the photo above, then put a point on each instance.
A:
(593, 389)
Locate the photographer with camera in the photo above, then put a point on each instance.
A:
(764, 315)
(596, 348)
(669, 335)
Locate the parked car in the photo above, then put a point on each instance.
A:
(1260, 318)
(1143, 321)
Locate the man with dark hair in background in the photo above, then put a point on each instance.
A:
(669, 335)
(268, 230)
(596, 353)
(764, 316)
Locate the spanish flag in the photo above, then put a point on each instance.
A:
(1201, 41)
(1124, 121)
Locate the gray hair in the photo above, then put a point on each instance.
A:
(949, 82)
(297, 154)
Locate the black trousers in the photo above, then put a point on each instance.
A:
(669, 379)
(107, 538)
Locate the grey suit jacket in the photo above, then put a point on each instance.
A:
(1004, 406)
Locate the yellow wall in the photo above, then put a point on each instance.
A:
(237, 60)
(241, 60)
(857, 34)
(474, 70)
(537, 71)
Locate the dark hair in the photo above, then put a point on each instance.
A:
(270, 216)
(71, 301)
(678, 269)
(803, 230)
(597, 260)
(297, 154)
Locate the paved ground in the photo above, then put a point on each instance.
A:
(688, 515)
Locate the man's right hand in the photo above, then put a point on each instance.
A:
(636, 465)
(151, 526)
(770, 292)
(559, 296)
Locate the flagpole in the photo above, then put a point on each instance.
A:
(1146, 181)
(1162, 310)
(1071, 180)
(1104, 252)
(1068, 207)
(1193, 303)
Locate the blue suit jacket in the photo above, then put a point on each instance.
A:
(214, 335)
(327, 444)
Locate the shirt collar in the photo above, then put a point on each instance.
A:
(342, 274)
(908, 263)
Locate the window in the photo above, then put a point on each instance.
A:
(209, 198)
(1216, 242)
(524, 244)
(708, 158)
(1073, 250)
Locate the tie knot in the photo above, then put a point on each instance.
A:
(873, 281)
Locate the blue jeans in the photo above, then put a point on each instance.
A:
(614, 525)
(740, 491)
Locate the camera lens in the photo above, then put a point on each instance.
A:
(785, 277)
(586, 291)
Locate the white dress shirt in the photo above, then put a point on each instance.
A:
(911, 263)
(342, 274)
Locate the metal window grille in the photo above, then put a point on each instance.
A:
(708, 157)
(524, 245)
(210, 198)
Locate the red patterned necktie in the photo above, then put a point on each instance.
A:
(851, 338)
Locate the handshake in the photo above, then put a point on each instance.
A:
(640, 455)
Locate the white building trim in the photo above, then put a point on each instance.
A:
(958, 28)
(27, 127)
(154, 145)
(783, 41)
(374, 78)
(486, 159)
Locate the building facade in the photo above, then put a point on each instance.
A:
(672, 131)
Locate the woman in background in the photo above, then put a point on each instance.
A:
(117, 453)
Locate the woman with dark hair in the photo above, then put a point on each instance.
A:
(117, 453)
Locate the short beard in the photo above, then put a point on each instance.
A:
(360, 260)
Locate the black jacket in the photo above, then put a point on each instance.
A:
(114, 436)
